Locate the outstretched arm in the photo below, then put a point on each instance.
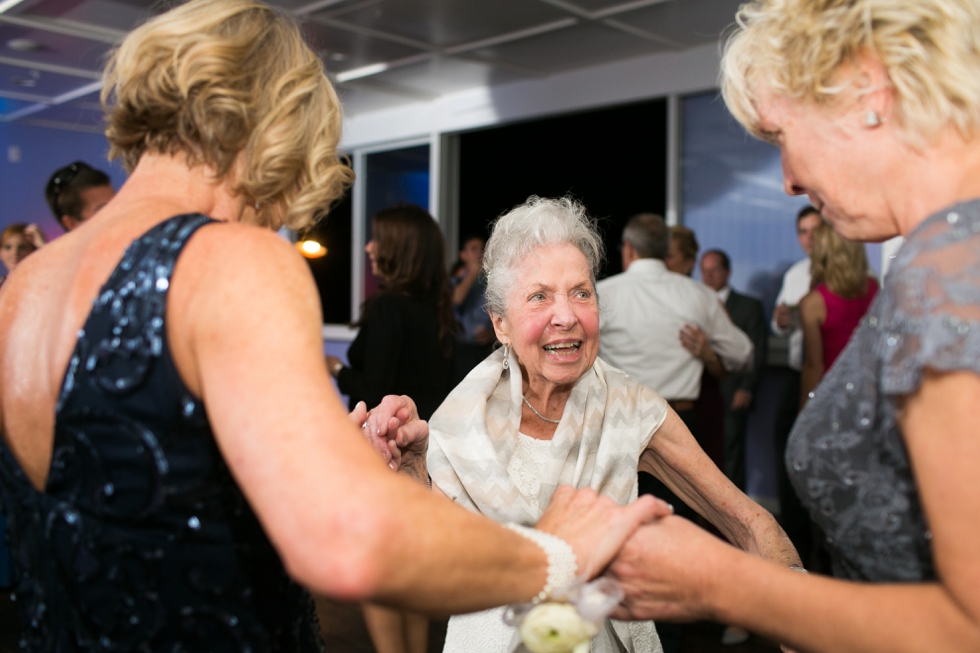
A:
(246, 339)
(675, 457)
(672, 570)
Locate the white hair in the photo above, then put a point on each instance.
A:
(539, 221)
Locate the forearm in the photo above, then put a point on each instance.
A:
(713, 364)
(819, 614)
(462, 289)
(809, 379)
(391, 541)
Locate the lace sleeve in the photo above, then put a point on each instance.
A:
(930, 313)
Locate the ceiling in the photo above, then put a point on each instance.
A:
(380, 53)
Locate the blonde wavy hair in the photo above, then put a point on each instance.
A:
(232, 85)
(800, 49)
(841, 264)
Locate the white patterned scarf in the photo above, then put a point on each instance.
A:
(608, 421)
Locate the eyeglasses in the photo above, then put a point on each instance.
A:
(64, 177)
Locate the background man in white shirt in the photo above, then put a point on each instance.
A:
(785, 321)
(663, 329)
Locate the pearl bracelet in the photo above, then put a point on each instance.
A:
(562, 565)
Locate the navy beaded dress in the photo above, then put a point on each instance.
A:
(141, 539)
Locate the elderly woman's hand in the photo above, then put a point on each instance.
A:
(667, 570)
(393, 427)
(596, 526)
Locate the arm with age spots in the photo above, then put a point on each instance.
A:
(675, 457)
(247, 341)
(672, 570)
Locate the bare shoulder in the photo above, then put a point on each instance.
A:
(244, 260)
(812, 307)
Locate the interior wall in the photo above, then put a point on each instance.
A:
(28, 157)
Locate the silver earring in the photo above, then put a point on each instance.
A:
(872, 119)
(506, 356)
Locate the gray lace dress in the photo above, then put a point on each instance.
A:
(846, 456)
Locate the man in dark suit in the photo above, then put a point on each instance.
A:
(738, 390)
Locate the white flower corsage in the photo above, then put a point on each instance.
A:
(568, 620)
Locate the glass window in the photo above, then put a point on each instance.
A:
(393, 177)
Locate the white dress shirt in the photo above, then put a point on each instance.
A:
(642, 312)
(723, 294)
(796, 284)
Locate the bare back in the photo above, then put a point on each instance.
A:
(43, 305)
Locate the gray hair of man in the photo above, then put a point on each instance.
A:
(648, 234)
(538, 222)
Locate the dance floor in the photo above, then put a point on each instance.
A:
(344, 632)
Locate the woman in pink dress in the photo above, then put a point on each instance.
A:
(841, 292)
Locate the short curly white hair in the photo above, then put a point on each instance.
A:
(539, 221)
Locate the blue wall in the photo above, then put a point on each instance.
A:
(42, 151)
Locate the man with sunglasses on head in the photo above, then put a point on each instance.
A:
(77, 192)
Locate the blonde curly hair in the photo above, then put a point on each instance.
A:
(800, 49)
(839, 263)
(232, 85)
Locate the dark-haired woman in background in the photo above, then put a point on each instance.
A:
(407, 329)
(405, 347)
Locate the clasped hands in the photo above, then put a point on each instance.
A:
(665, 566)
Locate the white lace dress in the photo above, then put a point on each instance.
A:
(486, 632)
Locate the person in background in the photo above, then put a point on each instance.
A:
(77, 192)
(15, 245)
(738, 390)
(796, 284)
(177, 469)
(875, 107)
(664, 329)
(406, 341)
(785, 322)
(682, 253)
(405, 346)
(475, 338)
(842, 292)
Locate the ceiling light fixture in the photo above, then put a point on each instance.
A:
(311, 249)
(24, 45)
(7, 5)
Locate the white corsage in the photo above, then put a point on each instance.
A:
(568, 620)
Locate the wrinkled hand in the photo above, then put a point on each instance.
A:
(596, 526)
(741, 400)
(393, 427)
(665, 570)
(694, 340)
(783, 315)
(35, 236)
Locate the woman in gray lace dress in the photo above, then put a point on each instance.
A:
(875, 105)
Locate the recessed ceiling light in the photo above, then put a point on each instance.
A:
(24, 45)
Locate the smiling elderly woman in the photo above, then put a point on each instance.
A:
(544, 411)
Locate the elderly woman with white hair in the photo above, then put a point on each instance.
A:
(875, 105)
(544, 411)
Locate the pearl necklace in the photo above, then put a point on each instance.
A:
(550, 421)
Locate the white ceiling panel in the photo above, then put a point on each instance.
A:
(690, 23)
(441, 75)
(563, 49)
(381, 53)
(445, 23)
(343, 50)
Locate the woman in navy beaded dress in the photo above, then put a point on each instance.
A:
(875, 107)
(176, 468)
